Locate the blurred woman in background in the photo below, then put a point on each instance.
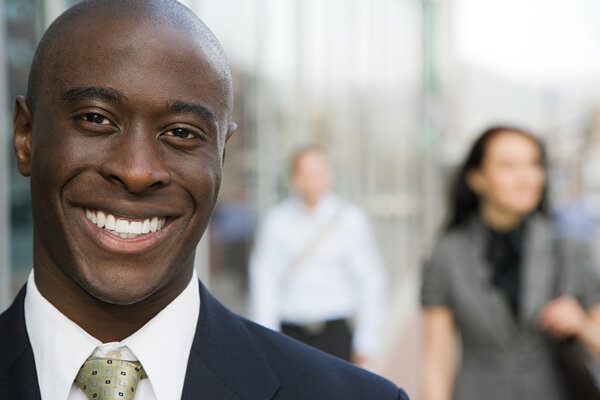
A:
(490, 281)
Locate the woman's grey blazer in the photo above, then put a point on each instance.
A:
(504, 358)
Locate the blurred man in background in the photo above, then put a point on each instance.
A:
(315, 271)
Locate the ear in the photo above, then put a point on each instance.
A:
(22, 135)
(230, 131)
(475, 181)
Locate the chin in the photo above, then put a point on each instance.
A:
(118, 298)
(120, 291)
(525, 209)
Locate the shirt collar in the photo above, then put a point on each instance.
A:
(163, 353)
(163, 345)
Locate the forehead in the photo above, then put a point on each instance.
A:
(310, 160)
(144, 60)
(511, 144)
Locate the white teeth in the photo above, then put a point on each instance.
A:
(110, 223)
(125, 228)
(122, 226)
(154, 224)
(101, 218)
(146, 226)
(135, 227)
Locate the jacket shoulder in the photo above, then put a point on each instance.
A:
(13, 335)
(302, 369)
(449, 242)
(18, 377)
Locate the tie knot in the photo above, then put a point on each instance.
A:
(109, 378)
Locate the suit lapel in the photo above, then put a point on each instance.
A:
(18, 377)
(537, 269)
(225, 362)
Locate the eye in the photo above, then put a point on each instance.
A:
(96, 119)
(184, 137)
(182, 133)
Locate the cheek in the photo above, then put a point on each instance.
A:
(203, 187)
(522, 191)
(502, 183)
(531, 182)
(202, 181)
(56, 151)
(51, 165)
(538, 180)
(504, 189)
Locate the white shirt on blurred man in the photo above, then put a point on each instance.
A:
(315, 259)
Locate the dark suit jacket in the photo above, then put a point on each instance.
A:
(231, 358)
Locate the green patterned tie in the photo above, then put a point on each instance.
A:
(109, 379)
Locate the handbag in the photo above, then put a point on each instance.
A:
(578, 381)
(573, 365)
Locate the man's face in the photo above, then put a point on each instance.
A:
(128, 140)
(311, 176)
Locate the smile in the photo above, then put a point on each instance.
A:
(122, 227)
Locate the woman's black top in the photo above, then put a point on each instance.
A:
(505, 253)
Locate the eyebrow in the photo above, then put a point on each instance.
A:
(198, 109)
(76, 94)
(111, 95)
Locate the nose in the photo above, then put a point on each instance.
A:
(135, 163)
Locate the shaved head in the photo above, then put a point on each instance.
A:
(53, 49)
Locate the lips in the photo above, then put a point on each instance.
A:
(124, 227)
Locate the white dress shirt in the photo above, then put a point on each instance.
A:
(342, 276)
(162, 346)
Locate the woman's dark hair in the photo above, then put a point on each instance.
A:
(463, 201)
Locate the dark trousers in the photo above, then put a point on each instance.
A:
(333, 337)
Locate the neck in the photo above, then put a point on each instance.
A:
(110, 322)
(311, 202)
(498, 219)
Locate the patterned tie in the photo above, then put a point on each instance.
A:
(109, 379)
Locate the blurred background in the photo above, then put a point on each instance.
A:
(393, 90)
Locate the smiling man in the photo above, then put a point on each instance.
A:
(123, 134)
